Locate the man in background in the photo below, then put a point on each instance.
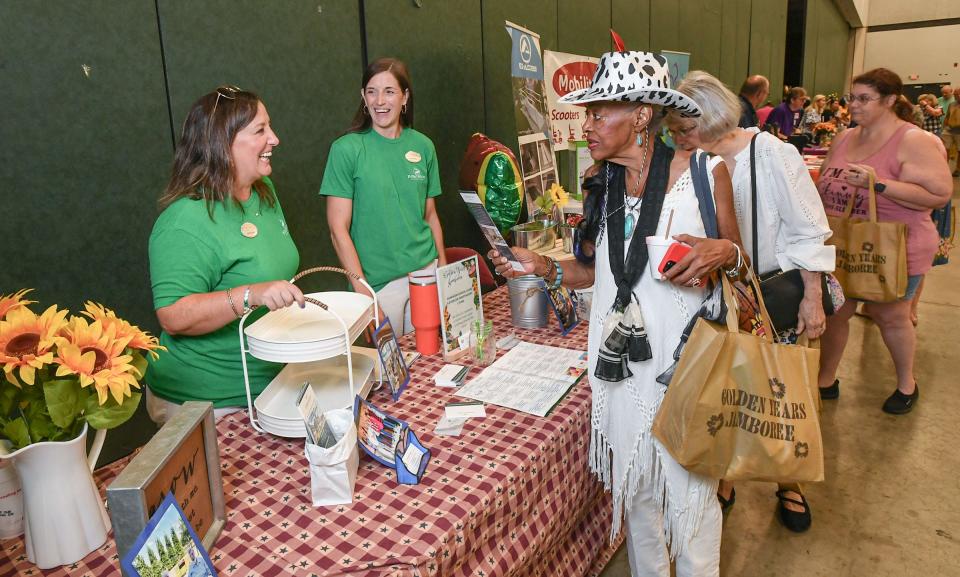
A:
(948, 96)
(787, 116)
(753, 93)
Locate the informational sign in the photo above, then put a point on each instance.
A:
(565, 73)
(537, 162)
(458, 288)
(678, 64)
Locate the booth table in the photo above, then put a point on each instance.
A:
(512, 495)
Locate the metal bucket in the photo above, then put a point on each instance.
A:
(535, 235)
(566, 233)
(528, 302)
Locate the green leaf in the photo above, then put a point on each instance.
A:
(16, 431)
(63, 401)
(8, 396)
(139, 362)
(42, 428)
(111, 414)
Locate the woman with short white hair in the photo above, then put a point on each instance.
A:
(784, 228)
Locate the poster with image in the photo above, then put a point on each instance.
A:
(564, 73)
(458, 288)
(394, 366)
(168, 546)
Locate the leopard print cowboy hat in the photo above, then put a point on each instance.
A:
(633, 77)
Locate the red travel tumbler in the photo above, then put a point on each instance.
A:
(425, 311)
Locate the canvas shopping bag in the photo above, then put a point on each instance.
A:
(871, 255)
(333, 470)
(741, 407)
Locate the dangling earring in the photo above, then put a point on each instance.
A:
(403, 109)
(366, 111)
(639, 139)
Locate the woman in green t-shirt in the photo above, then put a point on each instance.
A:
(217, 249)
(380, 182)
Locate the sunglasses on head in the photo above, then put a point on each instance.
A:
(228, 91)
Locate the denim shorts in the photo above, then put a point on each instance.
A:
(913, 283)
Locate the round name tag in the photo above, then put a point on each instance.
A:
(412, 156)
(248, 229)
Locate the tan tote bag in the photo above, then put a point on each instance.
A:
(871, 255)
(742, 407)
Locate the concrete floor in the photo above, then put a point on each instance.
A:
(890, 505)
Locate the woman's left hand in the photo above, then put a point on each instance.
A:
(811, 319)
(706, 256)
(859, 175)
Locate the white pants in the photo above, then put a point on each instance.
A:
(647, 546)
(394, 301)
(162, 410)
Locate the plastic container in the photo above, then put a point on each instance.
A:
(528, 302)
(425, 311)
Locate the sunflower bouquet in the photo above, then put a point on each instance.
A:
(555, 196)
(60, 372)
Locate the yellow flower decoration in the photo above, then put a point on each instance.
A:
(94, 352)
(13, 302)
(139, 339)
(558, 195)
(26, 340)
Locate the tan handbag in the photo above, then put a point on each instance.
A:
(871, 255)
(742, 407)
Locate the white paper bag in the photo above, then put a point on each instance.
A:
(333, 471)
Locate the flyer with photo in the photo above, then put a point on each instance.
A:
(458, 288)
(488, 228)
(394, 366)
(168, 546)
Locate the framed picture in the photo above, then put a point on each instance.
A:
(181, 459)
(394, 366)
(564, 303)
(167, 546)
(458, 288)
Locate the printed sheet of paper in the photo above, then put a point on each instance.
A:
(489, 229)
(530, 378)
(458, 288)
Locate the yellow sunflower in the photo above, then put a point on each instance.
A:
(12, 302)
(141, 340)
(94, 353)
(26, 340)
(558, 195)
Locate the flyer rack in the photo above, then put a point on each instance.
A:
(314, 342)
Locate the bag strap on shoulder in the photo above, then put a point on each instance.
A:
(753, 197)
(701, 187)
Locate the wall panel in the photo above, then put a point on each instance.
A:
(768, 25)
(304, 61)
(825, 53)
(631, 19)
(447, 76)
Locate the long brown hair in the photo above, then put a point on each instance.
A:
(887, 83)
(203, 165)
(361, 119)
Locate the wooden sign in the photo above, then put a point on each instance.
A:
(182, 459)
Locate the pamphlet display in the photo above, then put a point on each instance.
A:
(458, 288)
(168, 546)
(394, 365)
(489, 229)
(391, 442)
(530, 378)
(564, 303)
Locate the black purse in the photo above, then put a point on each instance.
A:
(782, 290)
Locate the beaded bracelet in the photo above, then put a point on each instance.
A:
(558, 275)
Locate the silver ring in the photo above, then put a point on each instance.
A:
(695, 281)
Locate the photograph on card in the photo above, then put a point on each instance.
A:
(458, 288)
(168, 546)
(394, 367)
(378, 434)
(564, 303)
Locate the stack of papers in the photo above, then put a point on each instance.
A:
(450, 376)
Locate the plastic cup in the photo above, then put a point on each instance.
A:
(657, 249)
(425, 311)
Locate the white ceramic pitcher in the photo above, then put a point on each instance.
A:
(64, 516)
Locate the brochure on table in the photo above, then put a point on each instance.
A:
(564, 303)
(168, 546)
(530, 378)
(394, 364)
(458, 288)
(488, 228)
(390, 442)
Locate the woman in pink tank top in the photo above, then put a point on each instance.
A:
(912, 179)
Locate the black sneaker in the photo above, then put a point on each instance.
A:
(831, 392)
(901, 404)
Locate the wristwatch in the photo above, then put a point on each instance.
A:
(879, 187)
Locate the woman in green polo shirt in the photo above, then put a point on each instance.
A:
(218, 248)
(380, 182)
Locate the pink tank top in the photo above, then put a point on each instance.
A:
(922, 239)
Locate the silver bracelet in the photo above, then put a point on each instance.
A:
(735, 271)
(246, 300)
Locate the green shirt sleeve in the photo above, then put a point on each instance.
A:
(434, 168)
(338, 175)
(181, 264)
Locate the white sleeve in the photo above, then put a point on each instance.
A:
(803, 222)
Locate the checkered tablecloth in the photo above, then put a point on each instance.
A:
(511, 496)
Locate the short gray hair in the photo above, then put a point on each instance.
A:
(720, 107)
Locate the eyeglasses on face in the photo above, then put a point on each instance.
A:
(861, 98)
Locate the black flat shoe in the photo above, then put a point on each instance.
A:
(796, 521)
(831, 392)
(899, 403)
(727, 504)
